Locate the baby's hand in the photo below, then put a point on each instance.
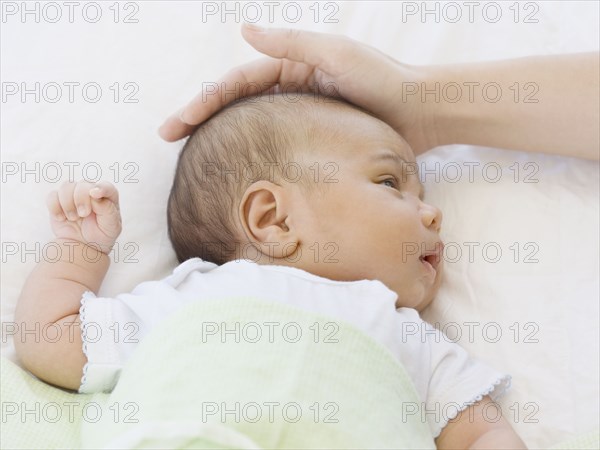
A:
(86, 212)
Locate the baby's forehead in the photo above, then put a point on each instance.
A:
(317, 124)
(358, 134)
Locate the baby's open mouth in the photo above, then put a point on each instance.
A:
(432, 259)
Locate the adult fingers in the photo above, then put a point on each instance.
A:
(315, 49)
(248, 79)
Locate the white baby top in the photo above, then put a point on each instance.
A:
(446, 379)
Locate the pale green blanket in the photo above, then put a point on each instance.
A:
(343, 391)
(333, 387)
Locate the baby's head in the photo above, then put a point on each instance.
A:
(311, 183)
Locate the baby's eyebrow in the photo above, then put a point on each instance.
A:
(388, 155)
(394, 157)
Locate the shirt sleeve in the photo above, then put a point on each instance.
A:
(456, 380)
(112, 328)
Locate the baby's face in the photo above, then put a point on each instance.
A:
(372, 222)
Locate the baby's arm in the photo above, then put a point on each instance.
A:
(474, 428)
(86, 220)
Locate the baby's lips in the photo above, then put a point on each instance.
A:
(435, 256)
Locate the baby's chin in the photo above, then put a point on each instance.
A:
(430, 296)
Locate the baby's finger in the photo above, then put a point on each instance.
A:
(103, 194)
(54, 207)
(81, 197)
(65, 197)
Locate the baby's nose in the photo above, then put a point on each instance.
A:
(432, 216)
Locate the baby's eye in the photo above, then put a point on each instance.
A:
(391, 182)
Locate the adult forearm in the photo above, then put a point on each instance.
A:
(544, 104)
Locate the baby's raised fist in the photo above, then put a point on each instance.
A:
(86, 212)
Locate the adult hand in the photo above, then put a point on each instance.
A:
(544, 104)
(315, 62)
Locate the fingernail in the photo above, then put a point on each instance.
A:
(59, 217)
(254, 28)
(81, 211)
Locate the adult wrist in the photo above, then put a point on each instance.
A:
(417, 115)
(443, 118)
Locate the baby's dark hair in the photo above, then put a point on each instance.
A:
(256, 138)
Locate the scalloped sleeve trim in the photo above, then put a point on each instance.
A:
(495, 389)
(102, 368)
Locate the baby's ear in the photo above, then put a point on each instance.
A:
(263, 214)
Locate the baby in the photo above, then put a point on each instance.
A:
(306, 201)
